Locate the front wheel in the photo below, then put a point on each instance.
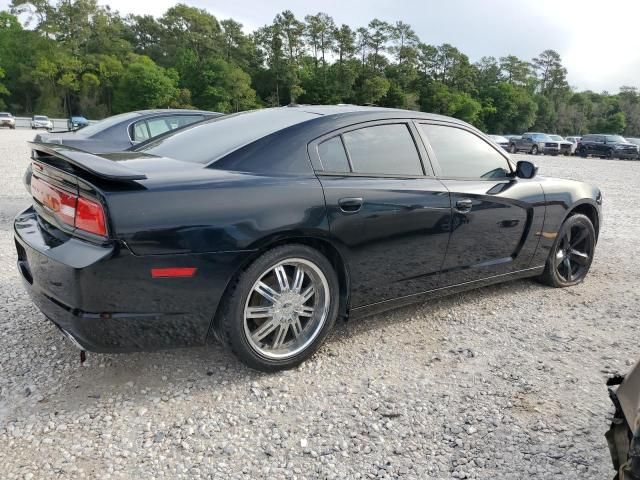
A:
(571, 254)
(534, 150)
(512, 148)
(281, 308)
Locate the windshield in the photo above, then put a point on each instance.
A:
(635, 141)
(2, 114)
(499, 138)
(104, 124)
(40, 117)
(541, 137)
(208, 141)
(557, 138)
(615, 139)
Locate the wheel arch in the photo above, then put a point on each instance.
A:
(588, 209)
(329, 247)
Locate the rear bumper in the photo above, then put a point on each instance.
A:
(105, 298)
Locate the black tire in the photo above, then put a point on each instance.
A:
(555, 272)
(230, 322)
(611, 155)
(512, 148)
(534, 150)
(583, 153)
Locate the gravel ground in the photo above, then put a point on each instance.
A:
(502, 382)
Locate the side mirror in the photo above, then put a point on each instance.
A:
(525, 169)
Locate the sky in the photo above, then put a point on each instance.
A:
(599, 41)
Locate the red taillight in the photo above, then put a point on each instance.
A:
(79, 212)
(90, 217)
(60, 202)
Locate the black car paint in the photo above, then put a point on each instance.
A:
(407, 243)
(597, 144)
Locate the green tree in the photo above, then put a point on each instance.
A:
(143, 84)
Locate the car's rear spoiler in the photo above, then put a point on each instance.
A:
(94, 164)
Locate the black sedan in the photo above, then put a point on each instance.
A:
(262, 228)
(121, 132)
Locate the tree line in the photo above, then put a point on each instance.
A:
(77, 57)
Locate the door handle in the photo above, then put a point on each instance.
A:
(464, 205)
(350, 204)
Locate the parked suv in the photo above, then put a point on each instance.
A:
(7, 120)
(565, 146)
(607, 146)
(534, 143)
(635, 141)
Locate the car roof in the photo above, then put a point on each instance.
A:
(355, 110)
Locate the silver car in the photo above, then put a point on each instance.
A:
(41, 121)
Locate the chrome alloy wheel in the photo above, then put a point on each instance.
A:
(573, 257)
(286, 308)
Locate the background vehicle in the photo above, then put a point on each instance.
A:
(500, 140)
(565, 146)
(262, 227)
(76, 123)
(120, 132)
(534, 143)
(635, 141)
(41, 121)
(574, 140)
(7, 120)
(607, 146)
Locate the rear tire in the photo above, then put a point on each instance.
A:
(534, 150)
(512, 148)
(281, 308)
(572, 253)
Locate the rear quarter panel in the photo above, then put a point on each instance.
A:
(219, 211)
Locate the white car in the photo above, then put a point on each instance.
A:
(565, 145)
(41, 121)
(7, 120)
(574, 143)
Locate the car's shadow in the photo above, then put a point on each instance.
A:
(166, 375)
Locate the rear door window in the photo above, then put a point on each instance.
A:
(140, 131)
(383, 150)
(333, 156)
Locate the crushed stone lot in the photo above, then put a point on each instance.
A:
(499, 383)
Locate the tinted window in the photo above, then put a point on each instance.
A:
(140, 132)
(211, 140)
(333, 156)
(463, 154)
(615, 139)
(383, 149)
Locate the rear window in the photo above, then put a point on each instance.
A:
(209, 141)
